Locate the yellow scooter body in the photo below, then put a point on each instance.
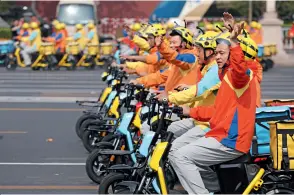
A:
(137, 120)
(72, 48)
(105, 93)
(114, 107)
(91, 50)
(18, 58)
(45, 50)
(154, 164)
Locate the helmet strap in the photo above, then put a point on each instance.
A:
(205, 56)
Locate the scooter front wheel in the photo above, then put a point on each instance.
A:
(91, 138)
(80, 124)
(96, 165)
(110, 182)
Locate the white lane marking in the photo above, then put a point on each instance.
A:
(45, 99)
(43, 164)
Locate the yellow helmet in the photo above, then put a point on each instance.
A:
(34, 25)
(58, 26)
(79, 26)
(135, 27)
(253, 24)
(55, 22)
(170, 25)
(222, 38)
(62, 25)
(143, 26)
(207, 40)
(155, 30)
(157, 25)
(216, 28)
(249, 47)
(245, 33)
(258, 26)
(91, 25)
(25, 26)
(209, 27)
(185, 34)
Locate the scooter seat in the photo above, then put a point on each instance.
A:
(97, 122)
(242, 159)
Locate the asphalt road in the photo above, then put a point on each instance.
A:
(39, 150)
(25, 82)
(277, 83)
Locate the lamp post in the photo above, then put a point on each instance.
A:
(250, 12)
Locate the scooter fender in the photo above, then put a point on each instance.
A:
(93, 115)
(98, 129)
(131, 185)
(90, 112)
(105, 145)
(121, 168)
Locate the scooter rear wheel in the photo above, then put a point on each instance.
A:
(10, 64)
(96, 165)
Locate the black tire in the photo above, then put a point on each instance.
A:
(52, 62)
(270, 63)
(85, 125)
(93, 63)
(90, 139)
(80, 122)
(73, 63)
(171, 176)
(264, 65)
(10, 64)
(108, 138)
(35, 68)
(111, 180)
(96, 160)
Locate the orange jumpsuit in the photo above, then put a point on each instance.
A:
(232, 117)
(182, 69)
(152, 65)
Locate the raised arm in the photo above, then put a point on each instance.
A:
(239, 69)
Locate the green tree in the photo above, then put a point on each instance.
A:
(258, 7)
(285, 10)
(4, 5)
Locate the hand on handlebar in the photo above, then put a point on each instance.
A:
(129, 71)
(162, 95)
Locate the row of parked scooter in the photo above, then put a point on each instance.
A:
(47, 58)
(123, 160)
(93, 56)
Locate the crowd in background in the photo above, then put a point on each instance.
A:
(45, 26)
